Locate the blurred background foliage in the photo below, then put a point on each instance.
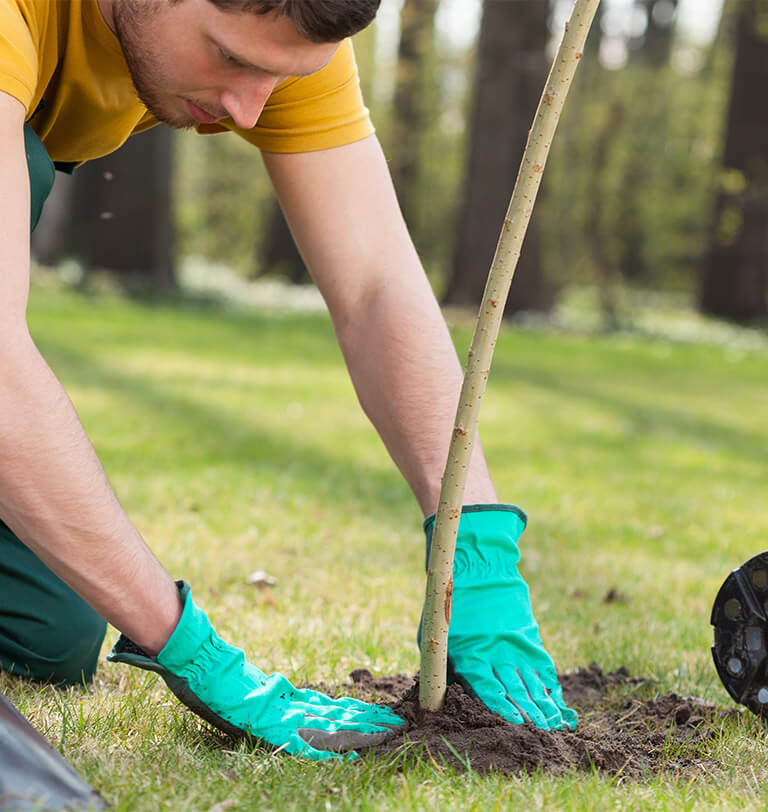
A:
(658, 177)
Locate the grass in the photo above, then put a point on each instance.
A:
(235, 442)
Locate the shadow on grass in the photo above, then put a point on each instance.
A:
(645, 420)
(201, 436)
(110, 325)
(207, 435)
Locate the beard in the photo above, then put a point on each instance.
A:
(131, 20)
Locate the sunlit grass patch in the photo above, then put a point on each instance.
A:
(235, 442)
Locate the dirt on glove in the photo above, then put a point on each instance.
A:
(622, 732)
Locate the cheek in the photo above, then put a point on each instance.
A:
(189, 66)
(201, 72)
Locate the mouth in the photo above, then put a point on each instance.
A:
(199, 114)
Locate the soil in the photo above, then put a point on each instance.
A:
(624, 729)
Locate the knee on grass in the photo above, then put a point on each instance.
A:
(63, 651)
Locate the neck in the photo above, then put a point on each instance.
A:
(108, 13)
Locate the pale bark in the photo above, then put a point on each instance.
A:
(437, 606)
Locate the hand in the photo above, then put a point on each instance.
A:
(494, 647)
(215, 680)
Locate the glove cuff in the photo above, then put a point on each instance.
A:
(502, 521)
(175, 663)
(429, 522)
(191, 632)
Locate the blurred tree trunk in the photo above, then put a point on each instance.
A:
(655, 47)
(650, 54)
(365, 55)
(594, 40)
(278, 254)
(511, 72)
(597, 232)
(735, 277)
(409, 127)
(120, 217)
(413, 103)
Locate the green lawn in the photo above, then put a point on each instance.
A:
(235, 442)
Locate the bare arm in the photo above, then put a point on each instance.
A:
(53, 491)
(343, 213)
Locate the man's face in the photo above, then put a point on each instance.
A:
(192, 63)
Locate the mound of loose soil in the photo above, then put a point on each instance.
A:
(619, 733)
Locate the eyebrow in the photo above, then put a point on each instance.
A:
(245, 63)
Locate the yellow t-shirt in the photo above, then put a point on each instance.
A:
(63, 63)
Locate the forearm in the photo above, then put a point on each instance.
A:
(55, 496)
(53, 492)
(344, 215)
(407, 377)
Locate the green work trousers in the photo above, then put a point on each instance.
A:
(47, 631)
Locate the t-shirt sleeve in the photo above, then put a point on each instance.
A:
(18, 54)
(310, 113)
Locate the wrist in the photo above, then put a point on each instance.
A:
(491, 507)
(189, 635)
(478, 491)
(152, 633)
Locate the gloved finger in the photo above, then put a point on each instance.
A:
(482, 682)
(348, 709)
(347, 703)
(279, 692)
(357, 714)
(309, 719)
(309, 737)
(297, 746)
(518, 693)
(295, 717)
(570, 717)
(541, 696)
(286, 739)
(308, 695)
(548, 677)
(341, 741)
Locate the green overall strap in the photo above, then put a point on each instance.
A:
(41, 173)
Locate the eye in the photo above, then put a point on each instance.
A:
(227, 57)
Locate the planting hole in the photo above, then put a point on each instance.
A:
(760, 579)
(734, 665)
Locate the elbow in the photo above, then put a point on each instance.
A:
(16, 344)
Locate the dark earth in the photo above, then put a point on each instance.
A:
(622, 731)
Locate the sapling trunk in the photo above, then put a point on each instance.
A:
(437, 605)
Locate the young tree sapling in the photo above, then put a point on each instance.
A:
(437, 604)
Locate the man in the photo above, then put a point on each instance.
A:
(76, 79)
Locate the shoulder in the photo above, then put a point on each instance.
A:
(23, 26)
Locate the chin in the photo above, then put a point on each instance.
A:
(178, 119)
(178, 122)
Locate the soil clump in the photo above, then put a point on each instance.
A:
(623, 730)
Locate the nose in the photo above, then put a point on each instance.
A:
(245, 100)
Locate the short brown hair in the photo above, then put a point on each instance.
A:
(317, 20)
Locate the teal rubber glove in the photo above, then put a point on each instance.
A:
(215, 680)
(494, 647)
